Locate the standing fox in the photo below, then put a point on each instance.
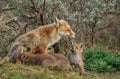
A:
(75, 57)
(39, 39)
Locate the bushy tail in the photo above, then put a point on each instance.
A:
(13, 54)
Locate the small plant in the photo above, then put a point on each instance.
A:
(101, 60)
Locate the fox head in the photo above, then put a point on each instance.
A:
(64, 28)
(77, 48)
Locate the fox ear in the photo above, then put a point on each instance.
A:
(57, 21)
(81, 45)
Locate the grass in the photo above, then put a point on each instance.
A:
(101, 60)
(13, 71)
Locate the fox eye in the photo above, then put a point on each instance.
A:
(67, 30)
(76, 47)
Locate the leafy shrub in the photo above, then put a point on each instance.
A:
(101, 60)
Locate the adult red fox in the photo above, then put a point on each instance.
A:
(39, 39)
(75, 57)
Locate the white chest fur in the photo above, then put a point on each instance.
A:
(54, 40)
(75, 58)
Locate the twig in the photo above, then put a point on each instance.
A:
(7, 9)
(37, 10)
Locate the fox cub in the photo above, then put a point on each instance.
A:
(75, 57)
(46, 60)
(62, 61)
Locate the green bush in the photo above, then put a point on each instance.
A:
(101, 60)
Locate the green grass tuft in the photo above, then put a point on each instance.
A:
(101, 60)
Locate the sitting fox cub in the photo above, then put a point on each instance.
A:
(39, 39)
(75, 57)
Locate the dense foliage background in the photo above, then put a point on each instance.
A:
(96, 23)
